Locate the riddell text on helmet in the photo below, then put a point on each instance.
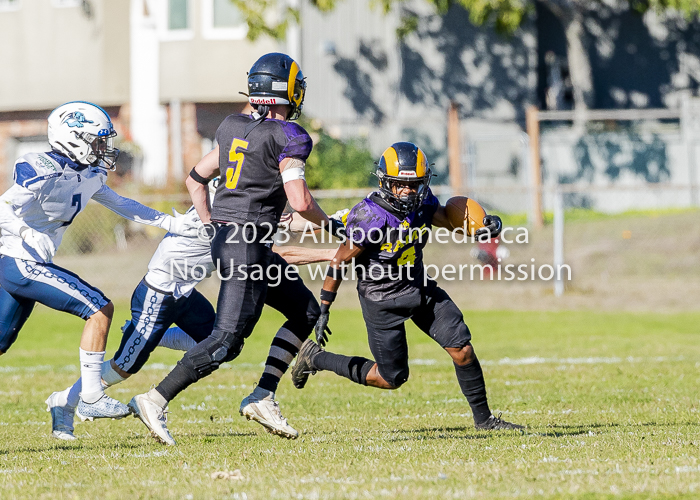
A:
(268, 100)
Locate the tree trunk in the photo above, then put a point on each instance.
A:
(579, 61)
(571, 14)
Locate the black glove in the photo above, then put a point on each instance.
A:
(336, 228)
(492, 227)
(321, 328)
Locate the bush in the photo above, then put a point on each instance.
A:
(337, 164)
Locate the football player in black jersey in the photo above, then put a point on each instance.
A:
(386, 236)
(260, 158)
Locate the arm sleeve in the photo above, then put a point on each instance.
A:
(431, 203)
(129, 209)
(15, 197)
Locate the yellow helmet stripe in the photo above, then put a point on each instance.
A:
(293, 72)
(421, 163)
(391, 160)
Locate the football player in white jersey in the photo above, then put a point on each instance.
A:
(49, 191)
(167, 296)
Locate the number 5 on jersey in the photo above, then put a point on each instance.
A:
(233, 173)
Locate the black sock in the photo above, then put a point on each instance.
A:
(176, 381)
(471, 381)
(354, 368)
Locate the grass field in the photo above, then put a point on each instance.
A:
(611, 404)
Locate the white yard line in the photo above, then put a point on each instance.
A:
(531, 360)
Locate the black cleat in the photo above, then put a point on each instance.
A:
(496, 424)
(304, 365)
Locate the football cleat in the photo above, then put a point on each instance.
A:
(105, 407)
(496, 424)
(304, 365)
(153, 416)
(61, 419)
(261, 406)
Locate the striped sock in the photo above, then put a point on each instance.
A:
(284, 347)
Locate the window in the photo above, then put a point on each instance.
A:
(175, 20)
(66, 3)
(221, 19)
(226, 15)
(178, 15)
(10, 5)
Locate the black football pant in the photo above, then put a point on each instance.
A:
(433, 311)
(252, 275)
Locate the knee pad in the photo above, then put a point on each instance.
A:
(399, 378)
(207, 356)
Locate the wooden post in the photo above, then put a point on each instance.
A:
(175, 166)
(533, 132)
(454, 149)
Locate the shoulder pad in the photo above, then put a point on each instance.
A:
(364, 217)
(35, 167)
(298, 143)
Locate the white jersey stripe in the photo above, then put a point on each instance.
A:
(61, 281)
(150, 309)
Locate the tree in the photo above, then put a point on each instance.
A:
(336, 164)
(505, 15)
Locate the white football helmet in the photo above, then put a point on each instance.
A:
(83, 132)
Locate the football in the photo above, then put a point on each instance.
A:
(463, 211)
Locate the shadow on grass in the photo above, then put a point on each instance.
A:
(81, 444)
(666, 424)
(573, 430)
(437, 433)
(213, 435)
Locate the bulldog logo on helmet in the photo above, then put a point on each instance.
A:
(75, 119)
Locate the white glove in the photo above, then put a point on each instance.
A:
(41, 243)
(183, 225)
(339, 214)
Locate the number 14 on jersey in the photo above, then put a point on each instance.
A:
(233, 173)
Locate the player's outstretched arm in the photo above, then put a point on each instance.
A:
(345, 254)
(300, 198)
(440, 218)
(295, 223)
(197, 182)
(301, 256)
(135, 211)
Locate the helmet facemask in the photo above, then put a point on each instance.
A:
(102, 152)
(297, 101)
(389, 186)
(403, 165)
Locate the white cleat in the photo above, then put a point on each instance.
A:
(61, 419)
(153, 416)
(261, 406)
(105, 407)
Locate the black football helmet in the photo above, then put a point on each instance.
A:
(403, 162)
(277, 79)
